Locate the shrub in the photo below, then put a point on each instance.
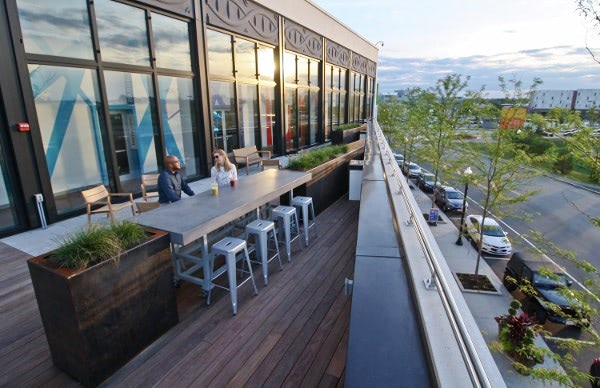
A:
(347, 126)
(517, 334)
(97, 243)
(316, 157)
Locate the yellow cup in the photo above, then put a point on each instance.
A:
(215, 190)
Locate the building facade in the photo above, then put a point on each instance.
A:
(581, 100)
(99, 92)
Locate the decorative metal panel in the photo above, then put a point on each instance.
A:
(243, 17)
(181, 7)
(337, 55)
(371, 68)
(303, 41)
(359, 63)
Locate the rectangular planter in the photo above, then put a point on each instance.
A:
(330, 180)
(98, 318)
(346, 136)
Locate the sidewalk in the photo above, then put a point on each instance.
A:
(483, 306)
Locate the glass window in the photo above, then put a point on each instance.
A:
(224, 115)
(303, 116)
(314, 73)
(8, 215)
(67, 103)
(289, 68)
(350, 106)
(171, 43)
(267, 116)
(248, 103)
(131, 106)
(335, 103)
(220, 61)
(327, 126)
(328, 72)
(302, 71)
(343, 75)
(313, 116)
(336, 78)
(245, 58)
(122, 32)
(290, 118)
(177, 109)
(342, 118)
(266, 63)
(60, 27)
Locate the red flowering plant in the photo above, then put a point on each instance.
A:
(517, 335)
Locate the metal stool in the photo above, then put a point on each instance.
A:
(305, 203)
(287, 215)
(230, 247)
(262, 230)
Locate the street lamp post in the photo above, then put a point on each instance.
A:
(467, 173)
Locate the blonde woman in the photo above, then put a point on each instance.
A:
(223, 172)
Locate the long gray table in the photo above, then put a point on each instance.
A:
(190, 220)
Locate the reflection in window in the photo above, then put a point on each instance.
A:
(171, 43)
(248, 103)
(224, 115)
(303, 117)
(8, 215)
(267, 116)
(266, 63)
(302, 71)
(313, 117)
(314, 73)
(220, 61)
(289, 68)
(122, 33)
(327, 120)
(131, 109)
(59, 28)
(177, 109)
(67, 103)
(290, 118)
(245, 58)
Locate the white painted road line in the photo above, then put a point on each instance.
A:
(543, 254)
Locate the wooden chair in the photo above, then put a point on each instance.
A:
(249, 156)
(100, 196)
(271, 164)
(146, 206)
(149, 180)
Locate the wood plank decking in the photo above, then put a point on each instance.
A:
(294, 333)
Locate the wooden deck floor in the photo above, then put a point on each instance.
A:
(294, 333)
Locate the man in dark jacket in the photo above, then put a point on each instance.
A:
(171, 183)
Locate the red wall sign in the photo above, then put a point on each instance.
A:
(23, 127)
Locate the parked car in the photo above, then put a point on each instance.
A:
(552, 299)
(425, 181)
(399, 158)
(412, 169)
(495, 240)
(449, 199)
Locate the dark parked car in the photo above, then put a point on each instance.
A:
(449, 199)
(553, 298)
(425, 181)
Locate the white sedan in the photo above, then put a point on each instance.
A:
(495, 240)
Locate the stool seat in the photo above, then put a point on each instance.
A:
(230, 247)
(307, 210)
(288, 217)
(262, 230)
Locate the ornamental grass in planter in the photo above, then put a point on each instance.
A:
(104, 295)
(346, 133)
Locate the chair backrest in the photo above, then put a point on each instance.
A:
(246, 151)
(271, 164)
(148, 180)
(94, 195)
(146, 206)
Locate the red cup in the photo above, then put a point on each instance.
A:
(232, 182)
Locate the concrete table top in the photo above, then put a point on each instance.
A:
(192, 218)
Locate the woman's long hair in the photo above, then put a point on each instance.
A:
(224, 158)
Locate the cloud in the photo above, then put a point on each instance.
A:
(560, 67)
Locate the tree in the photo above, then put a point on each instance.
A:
(585, 148)
(499, 165)
(448, 111)
(389, 115)
(590, 10)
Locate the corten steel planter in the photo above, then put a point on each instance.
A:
(98, 318)
(330, 180)
(345, 136)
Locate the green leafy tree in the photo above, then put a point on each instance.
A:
(585, 148)
(590, 10)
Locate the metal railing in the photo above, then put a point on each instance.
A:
(468, 349)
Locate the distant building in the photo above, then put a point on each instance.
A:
(582, 100)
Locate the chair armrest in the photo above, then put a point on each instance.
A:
(119, 194)
(266, 152)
